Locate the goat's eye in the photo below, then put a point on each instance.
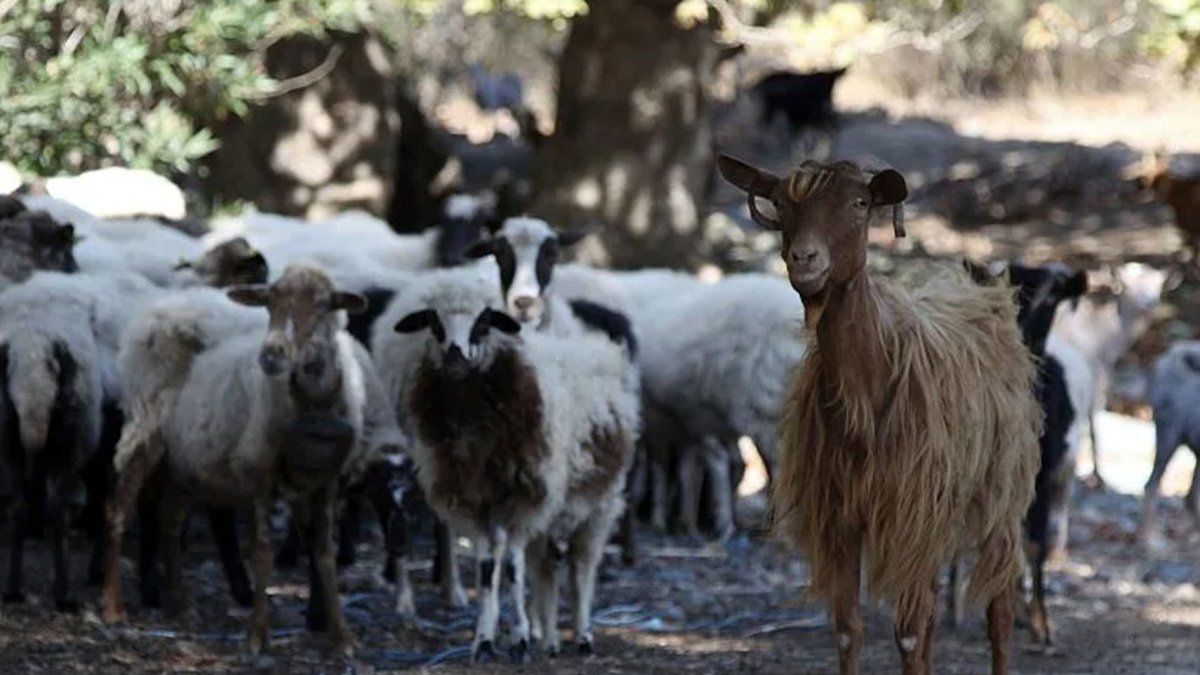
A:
(861, 203)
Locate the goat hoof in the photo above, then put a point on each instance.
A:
(14, 598)
(112, 616)
(519, 652)
(484, 652)
(586, 648)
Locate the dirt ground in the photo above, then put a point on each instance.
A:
(1029, 187)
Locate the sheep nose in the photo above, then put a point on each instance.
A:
(455, 356)
(804, 256)
(523, 303)
(272, 360)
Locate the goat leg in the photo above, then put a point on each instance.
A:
(847, 618)
(913, 631)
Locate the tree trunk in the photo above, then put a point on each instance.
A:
(632, 148)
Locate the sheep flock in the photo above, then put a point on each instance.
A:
(523, 412)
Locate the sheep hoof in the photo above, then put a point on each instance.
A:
(585, 647)
(14, 598)
(519, 652)
(552, 651)
(484, 652)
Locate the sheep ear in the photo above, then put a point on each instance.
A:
(1076, 285)
(572, 237)
(416, 321)
(183, 264)
(66, 235)
(480, 249)
(353, 303)
(251, 295)
(503, 322)
(746, 177)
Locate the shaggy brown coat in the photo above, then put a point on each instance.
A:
(905, 430)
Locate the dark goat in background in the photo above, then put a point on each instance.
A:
(1040, 290)
(804, 99)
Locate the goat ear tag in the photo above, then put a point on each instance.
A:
(888, 187)
(251, 296)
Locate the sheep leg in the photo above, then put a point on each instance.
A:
(716, 462)
(956, 594)
(262, 576)
(587, 548)
(1096, 481)
(129, 484)
(543, 563)
(489, 611)
(847, 618)
(659, 493)
(223, 523)
(324, 503)
(519, 652)
(1192, 501)
(64, 599)
(349, 530)
(172, 514)
(1000, 620)
(690, 482)
(406, 604)
(1166, 443)
(150, 582)
(447, 567)
(19, 522)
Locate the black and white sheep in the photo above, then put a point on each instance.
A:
(520, 441)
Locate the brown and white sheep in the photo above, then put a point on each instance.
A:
(911, 430)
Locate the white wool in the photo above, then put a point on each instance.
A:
(48, 309)
(719, 357)
(116, 191)
(10, 178)
(1080, 390)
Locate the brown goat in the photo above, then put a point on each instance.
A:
(911, 430)
(1181, 194)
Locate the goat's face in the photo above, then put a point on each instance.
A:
(526, 251)
(32, 241)
(1040, 290)
(231, 263)
(822, 211)
(303, 306)
(462, 339)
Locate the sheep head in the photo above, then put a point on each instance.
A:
(526, 251)
(32, 241)
(303, 306)
(822, 211)
(459, 335)
(230, 263)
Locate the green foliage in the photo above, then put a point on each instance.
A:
(89, 83)
(1176, 35)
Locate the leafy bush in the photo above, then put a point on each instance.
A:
(89, 83)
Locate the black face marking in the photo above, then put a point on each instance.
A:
(546, 260)
(506, 259)
(426, 318)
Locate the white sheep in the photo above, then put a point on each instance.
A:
(116, 192)
(241, 422)
(519, 440)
